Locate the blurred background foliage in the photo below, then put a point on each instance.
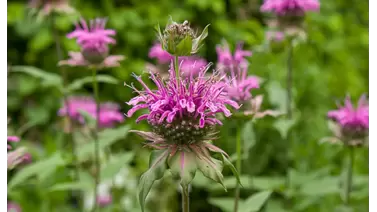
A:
(332, 62)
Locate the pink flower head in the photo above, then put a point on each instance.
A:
(161, 55)
(48, 6)
(182, 112)
(350, 117)
(104, 200)
(192, 65)
(13, 207)
(240, 84)
(109, 112)
(225, 57)
(12, 139)
(290, 7)
(197, 98)
(93, 40)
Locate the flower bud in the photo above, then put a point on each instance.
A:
(95, 55)
(179, 39)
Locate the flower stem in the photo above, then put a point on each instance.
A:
(68, 131)
(176, 68)
(185, 198)
(96, 142)
(238, 167)
(348, 186)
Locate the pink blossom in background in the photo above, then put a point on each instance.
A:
(48, 6)
(12, 139)
(109, 112)
(275, 36)
(352, 117)
(104, 200)
(13, 207)
(198, 97)
(192, 65)
(290, 7)
(225, 57)
(94, 41)
(162, 56)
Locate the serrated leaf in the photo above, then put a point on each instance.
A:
(35, 169)
(224, 203)
(48, 79)
(106, 138)
(157, 167)
(183, 166)
(211, 168)
(113, 167)
(255, 202)
(79, 83)
(229, 164)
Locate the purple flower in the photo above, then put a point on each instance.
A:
(238, 83)
(350, 117)
(49, 6)
(161, 55)
(13, 207)
(198, 99)
(225, 57)
(188, 64)
(94, 40)
(109, 112)
(104, 200)
(12, 139)
(14, 157)
(290, 7)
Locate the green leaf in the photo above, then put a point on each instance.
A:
(36, 169)
(226, 162)
(48, 79)
(41, 40)
(81, 185)
(90, 121)
(283, 126)
(79, 83)
(183, 166)
(116, 163)
(184, 47)
(224, 203)
(211, 168)
(231, 182)
(157, 167)
(268, 183)
(255, 202)
(196, 43)
(321, 187)
(248, 137)
(106, 138)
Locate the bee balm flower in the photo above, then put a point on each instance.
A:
(93, 40)
(353, 122)
(183, 117)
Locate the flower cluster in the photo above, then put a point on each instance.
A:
(94, 40)
(16, 156)
(353, 122)
(238, 84)
(109, 112)
(46, 7)
(290, 7)
(188, 64)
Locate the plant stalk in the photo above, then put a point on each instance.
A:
(348, 187)
(68, 132)
(185, 198)
(97, 164)
(238, 167)
(176, 68)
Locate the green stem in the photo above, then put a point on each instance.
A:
(176, 68)
(68, 133)
(185, 198)
(348, 187)
(96, 142)
(238, 167)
